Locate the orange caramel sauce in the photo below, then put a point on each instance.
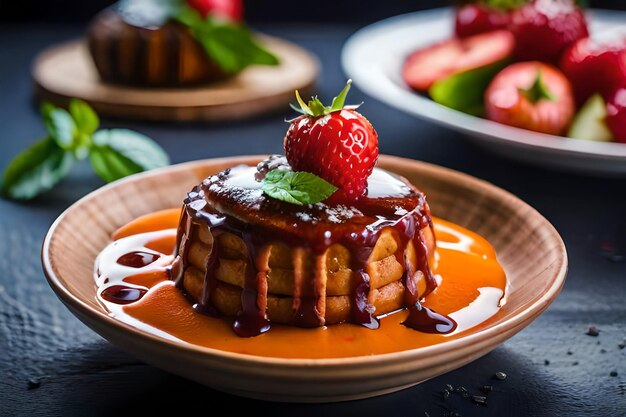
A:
(466, 262)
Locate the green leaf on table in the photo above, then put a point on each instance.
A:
(464, 91)
(35, 170)
(298, 188)
(117, 153)
(59, 124)
(111, 165)
(231, 45)
(84, 116)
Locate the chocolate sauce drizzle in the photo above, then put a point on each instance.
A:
(357, 228)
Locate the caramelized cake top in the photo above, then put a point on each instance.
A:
(236, 192)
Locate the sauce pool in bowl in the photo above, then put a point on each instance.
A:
(134, 286)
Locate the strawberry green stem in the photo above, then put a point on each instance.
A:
(505, 4)
(316, 108)
(538, 91)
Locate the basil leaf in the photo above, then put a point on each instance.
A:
(117, 153)
(231, 45)
(84, 116)
(35, 170)
(298, 188)
(59, 124)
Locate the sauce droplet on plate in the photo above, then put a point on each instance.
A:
(137, 259)
(425, 320)
(121, 294)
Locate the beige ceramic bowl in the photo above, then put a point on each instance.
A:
(529, 248)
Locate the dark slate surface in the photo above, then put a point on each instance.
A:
(51, 364)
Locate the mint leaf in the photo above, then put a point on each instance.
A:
(59, 124)
(84, 116)
(35, 170)
(298, 188)
(110, 165)
(189, 17)
(117, 153)
(231, 45)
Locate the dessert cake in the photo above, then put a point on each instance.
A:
(342, 241)
(172, 43)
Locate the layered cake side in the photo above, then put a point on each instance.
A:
(242, 253)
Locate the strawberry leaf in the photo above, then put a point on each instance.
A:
(538, 91)
(340, 100)
(231, 45)
(316, 108)
(505, 4)
(298, 188)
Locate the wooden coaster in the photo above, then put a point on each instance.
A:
(66, 71)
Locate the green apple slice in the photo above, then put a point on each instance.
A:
(589, 122)
(464, 91)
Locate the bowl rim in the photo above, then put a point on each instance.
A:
(78, 305)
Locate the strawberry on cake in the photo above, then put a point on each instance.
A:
(315, 237)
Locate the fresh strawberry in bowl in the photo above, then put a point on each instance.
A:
(428, 65)
(231, 10)
(333, 142)
(616, 114)
(531, 95)
(544, 29)
(482, 16)
(595, 67)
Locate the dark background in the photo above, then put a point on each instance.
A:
(257, 11)
(53, 365)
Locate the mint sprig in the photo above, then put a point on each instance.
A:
(298, 188)
(230, 44)
(73, 135)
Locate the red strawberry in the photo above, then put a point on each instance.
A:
(616, 114)
(472, 19)
(426, 66)
(543, 29)
(594, 67)
(531, 95)
(225, 9)
(336, 143)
